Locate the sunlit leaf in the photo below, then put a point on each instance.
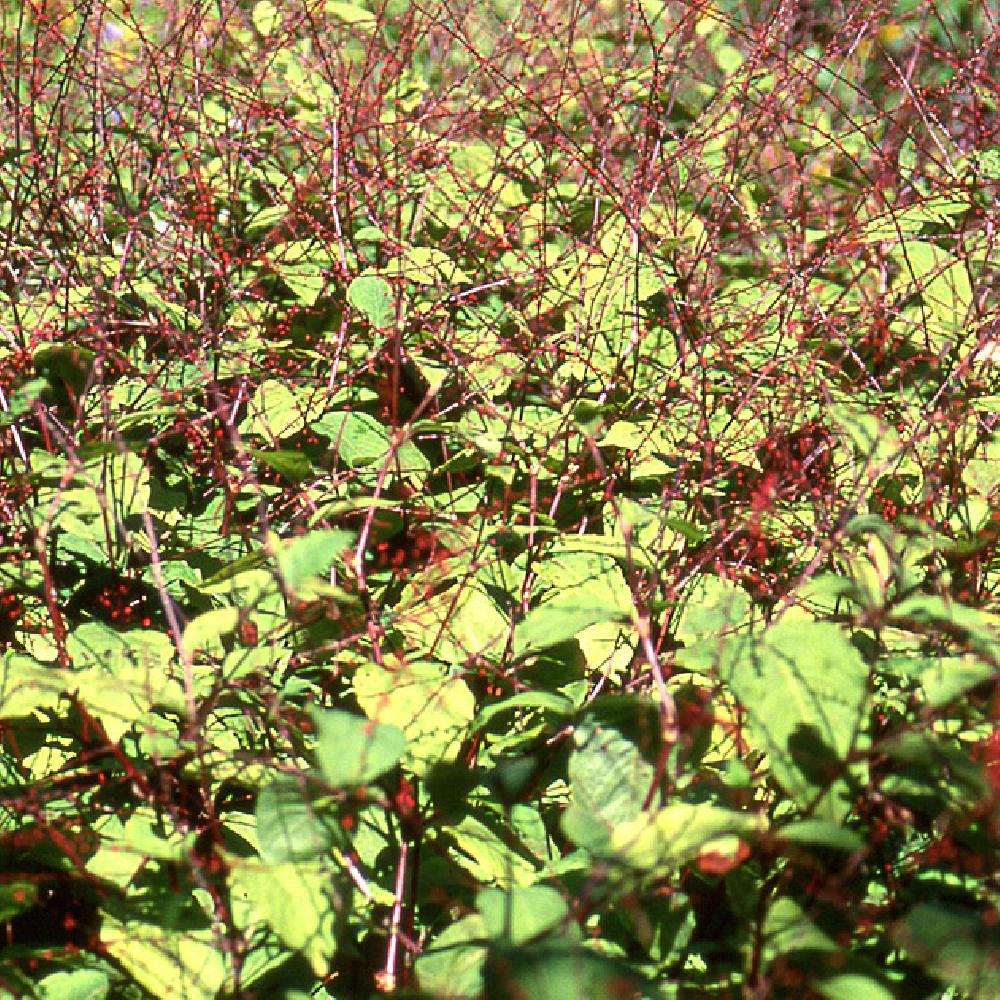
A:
(805, 688)
(351, 750)
(372, 296)
(422, 700)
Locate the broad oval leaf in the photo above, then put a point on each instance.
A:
(288, 826)
(372, 296)
(517, 915)
(805, 688)
(352, 750)
(432, 708)
(82, 984)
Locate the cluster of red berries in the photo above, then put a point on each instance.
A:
(748, 557)
(408, 550)
(124, 604)
(887, 508)
(202, 207)
(14, 367)
(11, 614)
(797, 463)
(14, 531)
(887, 501)
(203, 446)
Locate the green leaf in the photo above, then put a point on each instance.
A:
(358, 438)
(788, 929)
(980, 628)
(713, 607)
(349, 13)
(454, 625)
(126, 846)
(894, 223)
(288, 826)
(958, 946)
(452, 966)
(521, 913)
(306, 281)
(674, 835)
(817, 833)
(122, 675)
(265, 17)
(151, 295)
(119, 481)
(922, 759)
(298, 901)
(66, 363)
(805, 688)
(96, 644)
(205, 632)
(428, 266)
(82, 984)
(528, 699)
(293, 465)
(432, 708)
(608, 648)
(27, 686)
(372, 296)
(610, 781)
(182, 964)
(556, 969)
(276, 412)
(853, 986)
(489, 859)
(267, 218)
(352, 750)
(943, 282)
(559, 620)
(312, 555)
(578, 590)
(580, 577)
(949, 677)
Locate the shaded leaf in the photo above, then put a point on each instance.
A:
(817, 833)
(555, 969)
(288, 827)
(293, 465)
(675, 834)
(352, 750)
(298, 901)
(181, 964)
(958, 946)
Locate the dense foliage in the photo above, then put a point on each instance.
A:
(499, 499)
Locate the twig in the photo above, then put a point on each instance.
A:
(389, 978)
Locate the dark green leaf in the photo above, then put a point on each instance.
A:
(960, 947)
(293, 465)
